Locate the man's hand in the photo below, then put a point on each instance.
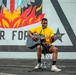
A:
(52, 39)
(34, 38)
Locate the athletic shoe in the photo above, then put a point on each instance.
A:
(55, 69)
(38, 66)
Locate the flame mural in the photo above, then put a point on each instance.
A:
(16, 17)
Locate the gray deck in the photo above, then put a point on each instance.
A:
(23, 66)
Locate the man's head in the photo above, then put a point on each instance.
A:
(44, 23)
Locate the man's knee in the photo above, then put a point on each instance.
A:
(53, 49)
(39, 48)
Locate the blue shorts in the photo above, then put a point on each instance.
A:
(46, 48)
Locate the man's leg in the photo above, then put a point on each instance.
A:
(39, 52)
(54, 50)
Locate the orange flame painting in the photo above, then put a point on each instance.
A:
(16, 19)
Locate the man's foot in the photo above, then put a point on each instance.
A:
(55, 69)
(38, 66)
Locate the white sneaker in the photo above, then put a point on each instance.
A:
(38, 66)
(55, 69)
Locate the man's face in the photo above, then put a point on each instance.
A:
(44, 24)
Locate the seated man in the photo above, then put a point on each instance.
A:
(46, 43)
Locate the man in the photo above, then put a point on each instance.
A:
(46, 45)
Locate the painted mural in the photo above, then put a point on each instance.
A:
(19, 13)
(18, 16)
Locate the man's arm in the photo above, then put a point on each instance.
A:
(31, 35)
